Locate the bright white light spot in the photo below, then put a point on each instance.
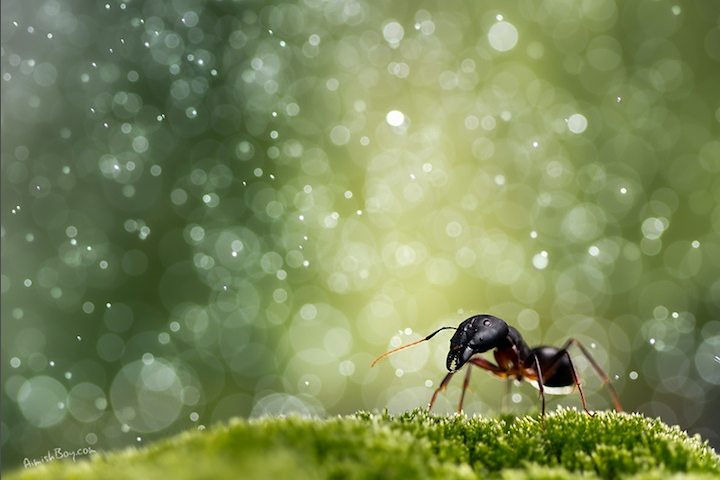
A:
(633, 375)
(594, 251)
(577, 123)
(395, 118)
(503, 36)
(540, 261)
(695, 244)
(393, 33)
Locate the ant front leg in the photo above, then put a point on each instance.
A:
(506, 398)
(443, 386)
(490, 367)
(476, 361)
(466, 382)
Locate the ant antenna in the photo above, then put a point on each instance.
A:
(411, 344)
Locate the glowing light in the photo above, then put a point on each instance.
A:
(540, 261)
(393, 33)
(395, 118)
(577, 123)
(503, 36)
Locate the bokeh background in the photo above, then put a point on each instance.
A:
(215, 209)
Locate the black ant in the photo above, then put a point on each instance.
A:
(547, 368)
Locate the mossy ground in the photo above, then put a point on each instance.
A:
(414, 445)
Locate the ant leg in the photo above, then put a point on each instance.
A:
(554, 362)
(599, 371)
(486, 365)
(443, 386)
(465, 389)
(480, 362)
(506, 398)
(541, 388)
(577, 382)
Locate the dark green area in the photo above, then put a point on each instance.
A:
(412, 445)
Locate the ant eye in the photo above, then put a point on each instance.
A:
(486, 322)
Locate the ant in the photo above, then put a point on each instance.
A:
(547, 368)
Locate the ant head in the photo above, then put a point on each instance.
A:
(475, 335)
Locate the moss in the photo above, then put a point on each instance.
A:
(412, 445)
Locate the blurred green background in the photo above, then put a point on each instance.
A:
(228, 208)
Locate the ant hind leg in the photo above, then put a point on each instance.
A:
(599, 371)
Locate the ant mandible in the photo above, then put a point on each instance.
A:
(547, 368)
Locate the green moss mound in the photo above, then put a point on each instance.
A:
(414, 445)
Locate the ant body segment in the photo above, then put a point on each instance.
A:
(547, 368)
